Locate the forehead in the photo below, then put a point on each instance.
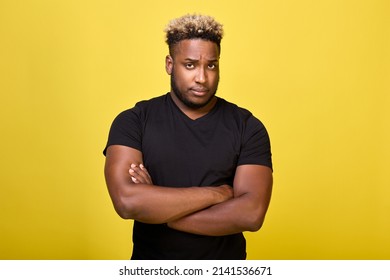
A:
(196, 49)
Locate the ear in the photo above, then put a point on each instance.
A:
(168, 64)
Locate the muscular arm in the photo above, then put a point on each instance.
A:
(149, 203)
(245, 212)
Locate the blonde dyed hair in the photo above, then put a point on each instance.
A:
(193, 26)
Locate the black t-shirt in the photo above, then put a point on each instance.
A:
(181, 152)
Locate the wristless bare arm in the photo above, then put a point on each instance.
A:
(149, 203)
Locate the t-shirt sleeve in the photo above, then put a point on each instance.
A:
(256, 147)
(126, 130)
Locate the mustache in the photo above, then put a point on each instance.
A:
(198, 88)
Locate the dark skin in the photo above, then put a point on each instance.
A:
(209, 210)
(194, 64)
(150, 203)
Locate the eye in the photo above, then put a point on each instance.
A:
(189, 65)
(212, 66)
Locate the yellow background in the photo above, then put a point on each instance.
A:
(317, 73)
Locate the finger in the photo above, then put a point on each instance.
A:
(134, 180)
(134, 176)
(140, 174)
(143, 168)
(146, 172)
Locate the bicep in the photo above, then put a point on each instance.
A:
(116, 170)
(255, 183)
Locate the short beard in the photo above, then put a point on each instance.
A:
(182, 97)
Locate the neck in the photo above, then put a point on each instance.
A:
(194, 113)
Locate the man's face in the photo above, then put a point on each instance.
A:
(194, 70)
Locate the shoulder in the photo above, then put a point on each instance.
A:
(142, 108)
(241, 115)
(255, 144)
(150, 104)
(127, 127)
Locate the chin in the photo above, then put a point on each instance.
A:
(198, 104)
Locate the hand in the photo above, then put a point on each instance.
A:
(224, 192)
(140, 175)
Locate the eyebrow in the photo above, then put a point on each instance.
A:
(195, 60)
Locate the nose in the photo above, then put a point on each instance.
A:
(201, 76)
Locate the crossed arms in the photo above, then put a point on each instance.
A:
(212, 210)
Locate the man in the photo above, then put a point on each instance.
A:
(192, 170)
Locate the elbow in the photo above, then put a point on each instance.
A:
(125, 208)
(123, 213)
(253, 223)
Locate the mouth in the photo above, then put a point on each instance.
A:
(199, 91)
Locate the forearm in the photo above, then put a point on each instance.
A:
(233, 216)
(245, 212)
(135, 197)
(155, 204)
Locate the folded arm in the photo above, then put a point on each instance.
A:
(245, 212)
(148, 203)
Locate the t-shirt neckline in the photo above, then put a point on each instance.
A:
(187, 118)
